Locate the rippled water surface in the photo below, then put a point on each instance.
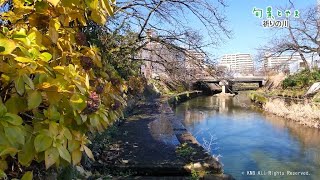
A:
(252, 144)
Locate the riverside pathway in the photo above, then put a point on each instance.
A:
(145, 145)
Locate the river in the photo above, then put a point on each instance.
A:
(249, 143)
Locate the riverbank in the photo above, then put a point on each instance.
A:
(151, 141)
(295, 97)
(302, 111)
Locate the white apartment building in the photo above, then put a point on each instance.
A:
(290, 63)
(238, 63)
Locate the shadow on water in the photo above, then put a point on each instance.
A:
(249, 140)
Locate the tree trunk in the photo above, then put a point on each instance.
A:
(296, 45)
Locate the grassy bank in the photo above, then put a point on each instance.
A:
(304, 112)
(287, 99)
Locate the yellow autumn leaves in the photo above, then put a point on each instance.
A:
(45, 83)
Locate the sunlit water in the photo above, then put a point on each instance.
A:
(252, 144)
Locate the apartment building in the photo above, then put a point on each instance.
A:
(161, 61)
(283, 63)
(238, 63)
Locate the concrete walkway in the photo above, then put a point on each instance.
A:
(146, 146)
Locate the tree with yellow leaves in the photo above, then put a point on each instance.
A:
(54, 86)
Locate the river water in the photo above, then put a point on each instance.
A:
(249, 143)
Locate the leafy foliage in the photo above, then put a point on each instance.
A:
(119, 48)
(54, 86)
(136, 85)
(184, 150)
(289, 82)
(302, 79)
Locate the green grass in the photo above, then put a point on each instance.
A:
(184, 150)
(257, 97)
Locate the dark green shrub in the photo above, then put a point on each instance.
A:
(301, 79)
(289, 82)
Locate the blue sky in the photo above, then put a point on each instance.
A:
(248, 34)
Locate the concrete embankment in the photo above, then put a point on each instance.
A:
(182, 97)
(146, 145)
(201, 160)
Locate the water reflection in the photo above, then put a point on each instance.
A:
(307, 136)
(250, 140)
